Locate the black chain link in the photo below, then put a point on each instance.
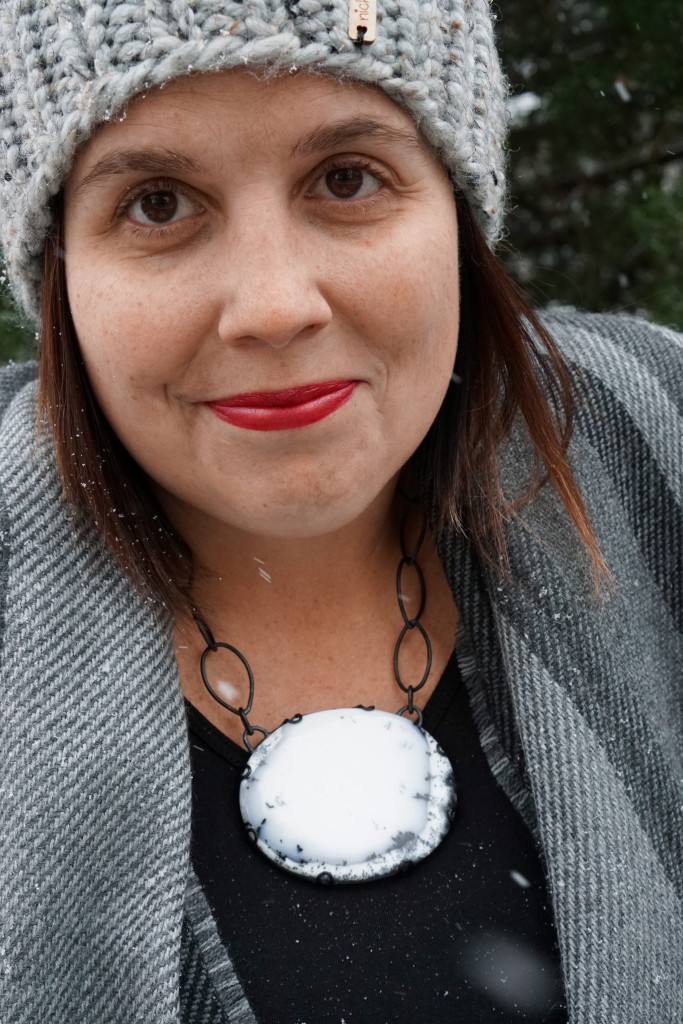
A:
(409, 560)
(212, 645)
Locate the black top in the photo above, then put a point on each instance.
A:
(466, 935)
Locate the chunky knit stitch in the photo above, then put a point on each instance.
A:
(68, 66)
(577, 700)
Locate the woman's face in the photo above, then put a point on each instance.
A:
(236, 239)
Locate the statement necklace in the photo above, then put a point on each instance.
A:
(351, 794)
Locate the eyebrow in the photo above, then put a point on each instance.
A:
(160, 161)
(339, 133)
(329, 136)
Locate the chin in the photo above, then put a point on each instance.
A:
(305, 520)
(310, 513)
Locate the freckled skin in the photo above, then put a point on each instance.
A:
(264, 285)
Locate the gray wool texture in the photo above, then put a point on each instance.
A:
(69, 66)
(577, 700)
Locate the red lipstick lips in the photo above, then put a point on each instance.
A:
(284, 410)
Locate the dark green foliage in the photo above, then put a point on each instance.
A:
(596, 171)
(17, 338)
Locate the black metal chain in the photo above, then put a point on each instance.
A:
(212, 645)
(408, 560)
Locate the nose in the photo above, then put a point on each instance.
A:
(271, 285)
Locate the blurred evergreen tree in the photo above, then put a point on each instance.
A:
(596, 180)
(596, 175)
(17, 338)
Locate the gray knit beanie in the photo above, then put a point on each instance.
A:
(67, 66)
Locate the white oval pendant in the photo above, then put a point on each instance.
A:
(347, 795)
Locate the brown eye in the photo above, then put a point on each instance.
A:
(159, 207)
(345, 182)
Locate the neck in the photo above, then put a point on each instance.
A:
(237, 570)
(317, 618)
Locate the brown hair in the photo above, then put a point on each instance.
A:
(507, 365)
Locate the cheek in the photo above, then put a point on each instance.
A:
(101, 326)
(128, 326)
(420, 315)
(425, 314)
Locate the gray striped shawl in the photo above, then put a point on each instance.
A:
(577, 700)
